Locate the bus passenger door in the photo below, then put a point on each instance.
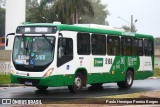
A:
(148, 52)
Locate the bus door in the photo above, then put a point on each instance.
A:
(148, 48)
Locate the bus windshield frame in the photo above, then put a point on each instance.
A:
(33, 53)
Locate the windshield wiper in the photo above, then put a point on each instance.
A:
(48, 41)
(24, 44)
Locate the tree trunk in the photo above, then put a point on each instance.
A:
(76, 14)
(72, 18)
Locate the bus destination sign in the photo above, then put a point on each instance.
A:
(36, 30)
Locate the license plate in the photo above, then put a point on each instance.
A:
(28, 83)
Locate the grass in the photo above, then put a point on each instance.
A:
(5, 79)
(156, 72)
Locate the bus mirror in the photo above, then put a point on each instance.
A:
(7, 42)
(60, 35)
(60, 38)
(61, 52)
(60, 49)
(7, 38)
(10, 34)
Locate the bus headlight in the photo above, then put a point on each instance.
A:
(48, 73)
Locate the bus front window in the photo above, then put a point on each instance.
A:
(33, 53)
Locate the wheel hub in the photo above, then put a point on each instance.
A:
(129, 79)
(78, 82)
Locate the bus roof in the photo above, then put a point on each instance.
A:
(90, 29)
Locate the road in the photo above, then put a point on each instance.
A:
(88, 92)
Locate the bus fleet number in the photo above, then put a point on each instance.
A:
(108, 61)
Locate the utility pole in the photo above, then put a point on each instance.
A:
(132, 24)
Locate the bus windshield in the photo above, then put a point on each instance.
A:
(33, 53)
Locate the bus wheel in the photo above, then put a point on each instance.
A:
(42, 88)
(128, 81)
(78, 83)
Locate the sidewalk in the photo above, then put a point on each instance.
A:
(153, 94)
(154, 78)
(11, 85)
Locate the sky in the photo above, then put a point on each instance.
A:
(147, 13)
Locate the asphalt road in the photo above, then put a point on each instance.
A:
(88, 92)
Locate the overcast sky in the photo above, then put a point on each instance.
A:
(147, 12)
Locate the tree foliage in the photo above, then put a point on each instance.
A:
(100, 15)
(68, 11)
(45, 2)
(2, 21)
(2, 3)
(39, 14)
(157, 42)
(128, 28)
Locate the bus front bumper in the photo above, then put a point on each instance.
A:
(51, 81)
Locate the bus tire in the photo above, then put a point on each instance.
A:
(78, 83)
(128, 81)
(42, 88)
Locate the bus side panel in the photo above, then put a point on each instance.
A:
(146, 68)
(111, 70)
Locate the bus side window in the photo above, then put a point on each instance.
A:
(113, 45)
(148, 47)
(83, 43)
(126, 46)
(98, 44)
(140, 47)
(65, 51)
(135, 46)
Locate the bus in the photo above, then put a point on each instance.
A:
(53, 55)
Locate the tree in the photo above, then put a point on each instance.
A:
(39, 14)
(157, 42)
(68, 11)
(2, 22)
(128, 28)
(45, 2)
(2, 3)
(100, 15)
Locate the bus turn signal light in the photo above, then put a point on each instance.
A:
(48, 73)
(13, 72)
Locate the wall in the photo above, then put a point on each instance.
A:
(15, 15)
(5, 55)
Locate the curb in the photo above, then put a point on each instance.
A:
(11, 85)
(154, 78)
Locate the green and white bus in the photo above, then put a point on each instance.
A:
(52, 55)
